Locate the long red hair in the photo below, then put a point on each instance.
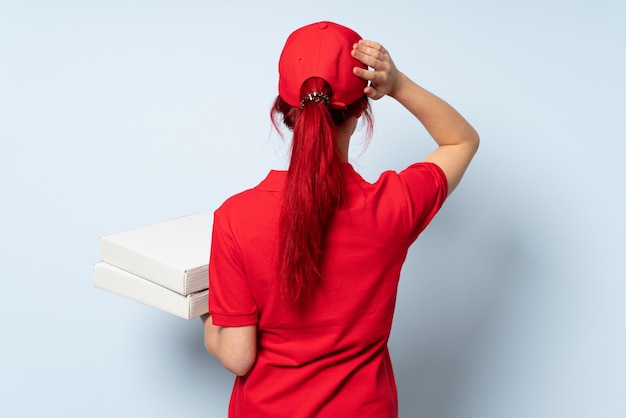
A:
(314, 185)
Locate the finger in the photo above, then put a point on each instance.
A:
(373, 93)
(372, 48)
(367, 56)
(370, 53)
(364, 74)
(371, 44)
(370, 91)
(373, 76)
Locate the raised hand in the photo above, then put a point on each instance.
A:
(383, 75)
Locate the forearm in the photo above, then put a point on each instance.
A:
(442, 121)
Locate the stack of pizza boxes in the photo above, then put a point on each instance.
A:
(164, 265)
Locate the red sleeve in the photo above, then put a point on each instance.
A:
(426, 189)
(231, 303)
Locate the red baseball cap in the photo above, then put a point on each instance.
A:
(322, 50)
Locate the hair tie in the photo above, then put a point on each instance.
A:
(317, 97)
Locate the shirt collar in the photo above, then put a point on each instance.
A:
(275, 179)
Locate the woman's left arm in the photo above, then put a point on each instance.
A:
(235, 347)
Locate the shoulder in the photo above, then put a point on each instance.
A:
(426, 172)
(421, 189)
(422, 175)
(254, 206)
(271, 185)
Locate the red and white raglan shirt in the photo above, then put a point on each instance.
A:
(330, 359)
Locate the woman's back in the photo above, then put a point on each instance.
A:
(328, 356)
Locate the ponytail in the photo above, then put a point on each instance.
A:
(314, 186)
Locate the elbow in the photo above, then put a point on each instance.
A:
(476, 140)
(240, 372)
(235, 361)
(473, 140)
(234, 347)
(208, 346)
(239, 364)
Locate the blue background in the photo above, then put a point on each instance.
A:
(120, 114)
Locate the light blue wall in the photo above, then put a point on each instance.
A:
(118, 114)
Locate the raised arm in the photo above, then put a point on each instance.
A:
(456, 139)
